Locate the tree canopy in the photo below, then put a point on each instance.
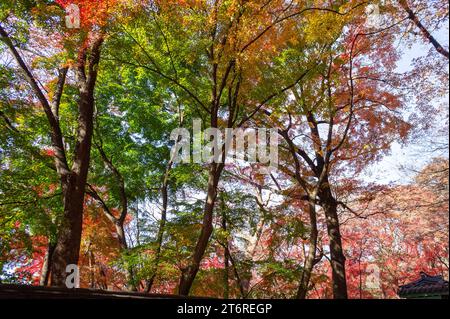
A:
(90, 172)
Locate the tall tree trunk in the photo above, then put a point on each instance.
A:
(46, 267)
(188, 274)
(329, 205)
(311, 258)
(74, 183)
(69, 236)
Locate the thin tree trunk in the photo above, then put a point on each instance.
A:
(162, 226)
(226, 268)
(117, 221)
(165, 203)
(360, 278)
(426, 34)
(46, 267)
(228, 259)
(311, 258)
(226, 276)
(311, 197)
(120, 230)
(242, 287)
(124, 248)
(188, 273)
(329, 204)
(91, 261)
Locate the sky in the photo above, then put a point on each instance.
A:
(400, 165)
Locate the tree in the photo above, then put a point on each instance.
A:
(229, 48)
(89, 172)
(400, 231)
(347, 117)
(72, 179)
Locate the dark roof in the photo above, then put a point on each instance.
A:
(429, 285)
(8, 291)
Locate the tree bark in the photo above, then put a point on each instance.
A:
(326, 201)
(188, 273)
(311, 258)
(226, 253)
(312, 198)
(329, 204)
(91, 261)
(243, 288)
(46, 267)
(74, 183)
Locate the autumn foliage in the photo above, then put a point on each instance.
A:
(88, 175)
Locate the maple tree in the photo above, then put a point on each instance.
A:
(406, 235)
(73, 179)
(87, 175)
